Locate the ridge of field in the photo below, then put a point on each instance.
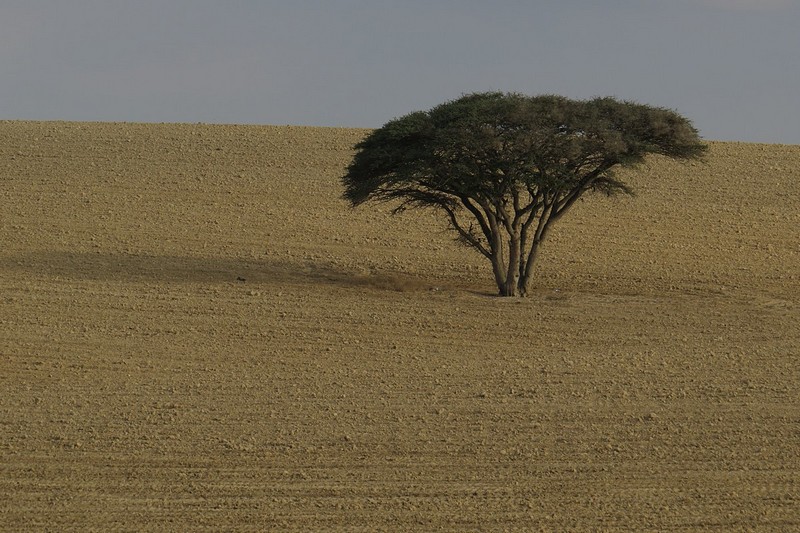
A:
(197, 333)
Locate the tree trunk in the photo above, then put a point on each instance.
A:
(515, 281)
(501, 280)
(527, 270)
(498, 267)
(513, 274)
(506, 270)
(512, 270)
(522, 288)
(509, 288)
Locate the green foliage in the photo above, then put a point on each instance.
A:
(488, 143)
(511, 161)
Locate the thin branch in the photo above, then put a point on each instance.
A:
(572, 196)
(502, 214)
(515, 197)
(467, 237)
(484, 224)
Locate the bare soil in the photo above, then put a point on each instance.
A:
(198, 334)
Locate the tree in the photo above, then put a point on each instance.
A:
(505, 167)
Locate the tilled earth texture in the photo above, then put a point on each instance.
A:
(198, 334)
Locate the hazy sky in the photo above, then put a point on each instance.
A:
(732, 66)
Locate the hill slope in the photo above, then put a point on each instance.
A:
(197, 332)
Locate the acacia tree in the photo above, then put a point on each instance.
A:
(504, 167)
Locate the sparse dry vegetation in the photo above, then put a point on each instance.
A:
(197, 332)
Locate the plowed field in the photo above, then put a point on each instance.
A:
(198, 334)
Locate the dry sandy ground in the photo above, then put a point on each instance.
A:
(197, 334)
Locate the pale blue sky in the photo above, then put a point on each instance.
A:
(732, 66)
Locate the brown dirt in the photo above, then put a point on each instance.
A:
(196, 333)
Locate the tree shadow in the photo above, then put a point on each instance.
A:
(137, 268)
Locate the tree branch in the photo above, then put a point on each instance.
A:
(467, 202)
(541, 231)
(583, 185)
(533, 208)
(466, 236)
